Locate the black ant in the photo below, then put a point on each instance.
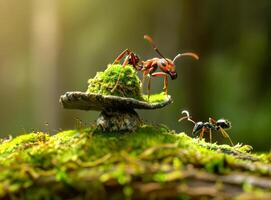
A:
(212, 125)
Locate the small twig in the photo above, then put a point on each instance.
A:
(151, 150)
(94, 163)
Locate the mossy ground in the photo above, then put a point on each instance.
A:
(88, 164)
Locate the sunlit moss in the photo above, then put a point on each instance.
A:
(22, 142)
(155, 97)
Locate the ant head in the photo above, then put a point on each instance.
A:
(169, 67)
(198, 126)
(133, 59)
(173, 75)
(223, 123)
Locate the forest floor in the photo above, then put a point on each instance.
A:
(151, 163)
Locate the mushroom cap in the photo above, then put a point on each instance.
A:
(93, 101)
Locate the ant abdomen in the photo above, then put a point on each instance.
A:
(223, 123)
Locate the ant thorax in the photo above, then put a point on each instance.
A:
(209, 125)
(165, 62)
(203, 125)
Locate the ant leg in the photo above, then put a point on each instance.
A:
(201, 133)
(122, 54)
(163, 75)
(225, 134)
(166, 84)
(143, 81)
(210, 132)
(149, 87)
(149, 72)
(123, 65)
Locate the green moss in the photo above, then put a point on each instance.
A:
(155, 97)
(129, 84)
(22, 142)
(104, 82)
(77, 162)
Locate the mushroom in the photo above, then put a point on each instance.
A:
(117, 113)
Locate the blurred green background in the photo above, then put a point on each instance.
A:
(48, 47)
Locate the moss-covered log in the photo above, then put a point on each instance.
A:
(152, 163)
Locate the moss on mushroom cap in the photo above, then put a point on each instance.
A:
(129, 84)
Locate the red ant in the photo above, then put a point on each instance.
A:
(149, 67)
(212, 125)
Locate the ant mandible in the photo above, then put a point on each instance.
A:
(212, 125)
(150, 66)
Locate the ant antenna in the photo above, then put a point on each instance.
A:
(188, 117)
(212, 120)
(150, 40)
(193, 55)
